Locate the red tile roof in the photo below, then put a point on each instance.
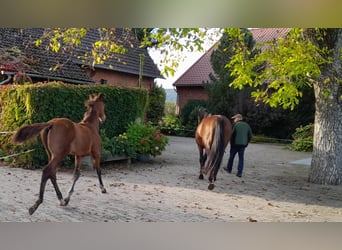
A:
(199, 72)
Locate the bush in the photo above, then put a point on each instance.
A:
(116, 146)
(146, 139)
(303, 138)
(156, 104)
(170, 109)
(171, 125)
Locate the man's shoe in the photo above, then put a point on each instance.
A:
(239, 175)
(228, 171)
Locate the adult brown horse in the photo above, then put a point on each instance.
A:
(212, 136)
(62, 137)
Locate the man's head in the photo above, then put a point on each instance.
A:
(237, 117)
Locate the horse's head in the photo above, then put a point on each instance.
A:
(96, 103)
(202, 113)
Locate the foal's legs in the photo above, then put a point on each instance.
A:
(96, 160)
(49, 172)
(77, 172)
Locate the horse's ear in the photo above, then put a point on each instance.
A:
(92, 96)
(100, 97)
(89, 103)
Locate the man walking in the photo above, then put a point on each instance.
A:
(241, 136)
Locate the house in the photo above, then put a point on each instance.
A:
(121, 70)
(191, 84)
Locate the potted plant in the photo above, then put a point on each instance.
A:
(146, 140)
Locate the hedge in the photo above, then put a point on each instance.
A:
(32, 103)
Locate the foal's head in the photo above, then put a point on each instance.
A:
(95, 109)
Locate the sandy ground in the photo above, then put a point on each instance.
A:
(167, 189)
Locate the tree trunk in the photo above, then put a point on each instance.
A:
(326, 165)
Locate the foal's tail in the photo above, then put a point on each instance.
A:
(28, 132)
(215, 155)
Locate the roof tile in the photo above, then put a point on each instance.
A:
(71, 66)
(199, 72)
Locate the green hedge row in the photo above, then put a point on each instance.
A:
(32, 103)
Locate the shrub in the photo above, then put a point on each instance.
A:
(170, 109)
(303, 138)
(172, 125)
(116, 146)
(171, 122)
(146, 139)
(156, 104)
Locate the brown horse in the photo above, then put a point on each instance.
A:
(62, 137)
(212, 136)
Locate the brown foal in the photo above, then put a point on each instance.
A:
(62, 137)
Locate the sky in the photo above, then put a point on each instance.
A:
(187, 59)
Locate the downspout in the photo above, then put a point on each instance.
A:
(141, 68)
(9, 77)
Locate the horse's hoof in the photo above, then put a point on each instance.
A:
(211, 186)
(32, 210)
(103, 190)
(64, 202)
(200, 177)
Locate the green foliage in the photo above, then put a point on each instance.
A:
(33, 103)
(291, 62)
(171, 121)
(146, 139)
(303, 138)
(227, 100)
(224, 99)
(116, 146)
(156, 104)
(172, 125)
(67, 39)
(170, 109)
(222, 55)
(171, 42)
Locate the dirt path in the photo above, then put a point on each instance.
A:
(168, 190)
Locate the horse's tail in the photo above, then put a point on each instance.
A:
(30, 131)
(215, 155)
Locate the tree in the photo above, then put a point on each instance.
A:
(224, 99)
(306, 57)
(166, 40)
